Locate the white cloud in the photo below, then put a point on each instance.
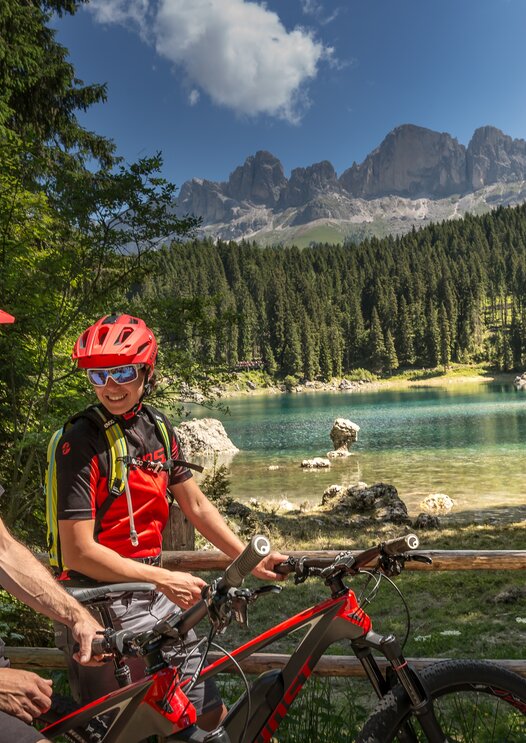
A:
(120, 11)
(237, 52)
(194, 96)
(316, 9)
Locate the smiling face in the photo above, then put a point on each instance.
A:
(120, 398)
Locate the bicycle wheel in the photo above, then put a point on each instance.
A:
(474, 701)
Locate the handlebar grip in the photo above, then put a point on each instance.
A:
(401, 544)
(100, 645)
(237, 571)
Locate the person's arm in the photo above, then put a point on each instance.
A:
(209, 522)
(23, 576)
(83, 554)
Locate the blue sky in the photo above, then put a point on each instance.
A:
(210, 82)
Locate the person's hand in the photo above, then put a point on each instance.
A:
(184, 589)
(23, 694)
(83, 631)
(265, 569)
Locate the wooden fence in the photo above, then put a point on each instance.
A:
(328, 665)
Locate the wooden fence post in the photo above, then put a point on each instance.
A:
(179, 533)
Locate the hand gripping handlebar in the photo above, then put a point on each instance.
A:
(233, 577)
(244, 564)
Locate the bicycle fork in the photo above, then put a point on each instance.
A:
(420, 700)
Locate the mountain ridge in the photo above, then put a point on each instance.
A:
(414, 176)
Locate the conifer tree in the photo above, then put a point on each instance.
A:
(391, 359)
(376, 343)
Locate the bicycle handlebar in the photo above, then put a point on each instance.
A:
(233, 577)
(392, 548)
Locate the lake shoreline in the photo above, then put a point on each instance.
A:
(422, 378)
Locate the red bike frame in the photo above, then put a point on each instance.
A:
(157, 705)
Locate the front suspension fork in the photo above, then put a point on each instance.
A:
(420, 701)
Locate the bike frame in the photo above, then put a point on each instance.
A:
(141, 709)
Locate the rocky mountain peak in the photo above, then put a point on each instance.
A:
(411, 161)
(414, 175)
(493, 156)
(259, 180)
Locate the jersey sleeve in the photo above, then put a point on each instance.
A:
(77, 461)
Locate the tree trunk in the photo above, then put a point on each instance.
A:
(179, 533)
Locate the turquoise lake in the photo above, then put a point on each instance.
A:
(468, 441)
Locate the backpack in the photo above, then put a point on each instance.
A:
(118, 463)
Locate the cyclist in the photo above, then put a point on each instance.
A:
(24, 695)
(118, 353)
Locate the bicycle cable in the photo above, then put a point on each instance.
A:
(372, 596)
(247, 687)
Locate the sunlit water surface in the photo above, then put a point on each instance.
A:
(467, 441)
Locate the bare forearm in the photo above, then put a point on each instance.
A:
(209, 522)
(24, 577)
(105, 565)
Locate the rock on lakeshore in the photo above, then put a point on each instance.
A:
(205, 437)
(379, 502)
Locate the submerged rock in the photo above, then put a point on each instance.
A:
(316, 463)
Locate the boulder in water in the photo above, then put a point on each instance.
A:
(316, 463)
(343, 434)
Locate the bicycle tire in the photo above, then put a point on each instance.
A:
(475, 702)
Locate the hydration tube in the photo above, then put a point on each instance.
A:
(134, 539)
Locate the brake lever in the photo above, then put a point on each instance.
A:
(257, 592)
(420, 558)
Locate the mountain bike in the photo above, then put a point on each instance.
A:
(460, 701)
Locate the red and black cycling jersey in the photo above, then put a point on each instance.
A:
(82, 465)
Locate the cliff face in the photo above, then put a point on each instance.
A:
(412, 163)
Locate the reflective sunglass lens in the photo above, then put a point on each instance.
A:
(121, 375)
(124, 374)
(98, 377)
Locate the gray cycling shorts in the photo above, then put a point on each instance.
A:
(137, 613)
(13, 730)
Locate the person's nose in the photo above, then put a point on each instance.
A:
(111, 384)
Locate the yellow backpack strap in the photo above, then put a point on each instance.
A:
(53, 542)
(118, 453)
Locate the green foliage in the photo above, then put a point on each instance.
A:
(290, 382)
(77, 227)
(216, 486)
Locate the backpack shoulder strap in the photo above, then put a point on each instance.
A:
(162, 428)
(117, 449)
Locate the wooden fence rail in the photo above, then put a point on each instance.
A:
(38, 659)
(442, 559)
(328, 665)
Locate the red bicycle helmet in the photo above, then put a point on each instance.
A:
(115, 340)
(6, 317)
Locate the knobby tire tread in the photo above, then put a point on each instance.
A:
(440, 679)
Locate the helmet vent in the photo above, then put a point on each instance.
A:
(103, 332)
(122, 337)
